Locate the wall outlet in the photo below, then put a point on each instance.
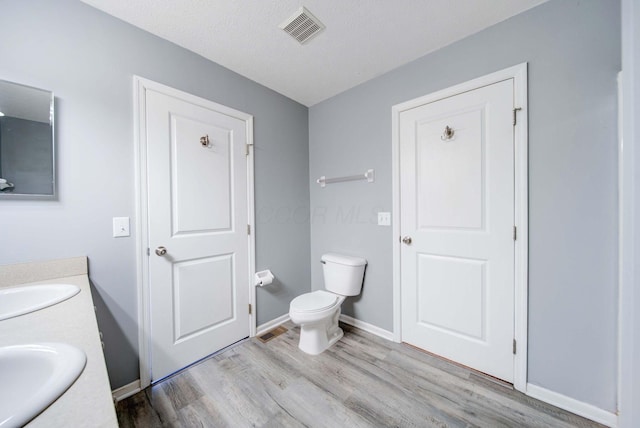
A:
(384, 219)
(120, 227)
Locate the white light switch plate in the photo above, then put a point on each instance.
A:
(384, 219)
(120, 227)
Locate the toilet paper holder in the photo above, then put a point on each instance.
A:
(264, 277)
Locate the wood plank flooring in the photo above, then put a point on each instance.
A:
(362, 381)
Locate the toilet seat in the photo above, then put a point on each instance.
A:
(316, 301)
(317, 313)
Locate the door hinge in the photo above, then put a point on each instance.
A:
(246, 149)
(514, 346)
(515, 233)
(515, 116)
(248, 229)
(249, 308)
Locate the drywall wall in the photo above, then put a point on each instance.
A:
(573, 51)
(88, 60)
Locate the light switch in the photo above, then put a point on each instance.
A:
(384, 219)
(120, 227)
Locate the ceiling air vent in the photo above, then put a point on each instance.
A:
(302, 26)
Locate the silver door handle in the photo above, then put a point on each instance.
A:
(161, 251)
(407, 240)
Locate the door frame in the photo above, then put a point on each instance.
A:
(519, 75)
(140, 85)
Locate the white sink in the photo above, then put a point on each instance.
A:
(33, 376)
(16, 301)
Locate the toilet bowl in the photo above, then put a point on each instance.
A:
(318, 312)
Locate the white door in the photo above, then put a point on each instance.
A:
(457, 209)
(197, 211)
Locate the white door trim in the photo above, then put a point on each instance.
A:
(627, 252)
(519, 75)
(140, 85)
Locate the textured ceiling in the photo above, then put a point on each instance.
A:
(363, 38)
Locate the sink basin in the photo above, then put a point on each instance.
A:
(16, 301)
(34, 376)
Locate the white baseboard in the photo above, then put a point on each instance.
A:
(369, 328)
(126, 391)
(270, 325)
(572, 405)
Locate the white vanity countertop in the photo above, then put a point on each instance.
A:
(88, 402)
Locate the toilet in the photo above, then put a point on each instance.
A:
(317, 312)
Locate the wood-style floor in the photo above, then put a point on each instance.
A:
(362, 381)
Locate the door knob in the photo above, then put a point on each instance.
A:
(407, 240)
(161, 251)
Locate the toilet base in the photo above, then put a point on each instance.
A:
(317, 337)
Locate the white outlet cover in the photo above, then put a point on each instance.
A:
(120, 227)
(384, 219)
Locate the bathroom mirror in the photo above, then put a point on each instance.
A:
(27, 161)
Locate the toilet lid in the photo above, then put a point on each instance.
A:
(312, 302)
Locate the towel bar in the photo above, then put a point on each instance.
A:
(369, 176)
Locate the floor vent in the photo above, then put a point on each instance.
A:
(271, 334)
(302, 26)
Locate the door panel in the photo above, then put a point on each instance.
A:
(452, 279)
(204, 208)
(457, 205)
(452, 168)
(198, 211)
(202, 305)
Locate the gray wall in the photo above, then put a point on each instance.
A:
(573, 51)
(26, 155)
(88, 59)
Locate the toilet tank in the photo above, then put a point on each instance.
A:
(343, 275)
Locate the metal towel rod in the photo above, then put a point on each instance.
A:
(369, 176)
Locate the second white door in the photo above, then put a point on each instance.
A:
(457, 215)
(197, 228)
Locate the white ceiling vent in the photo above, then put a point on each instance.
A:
(302, 26)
